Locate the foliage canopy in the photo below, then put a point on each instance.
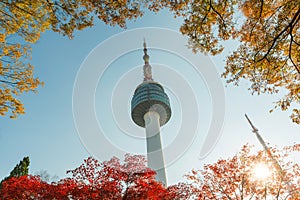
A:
(21, 24)
(268, 54)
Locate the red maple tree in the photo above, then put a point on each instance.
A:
(94, 180)
(250, 175)
(232, 178)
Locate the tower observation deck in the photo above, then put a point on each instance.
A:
(150, 109)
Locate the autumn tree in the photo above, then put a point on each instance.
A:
(269, 42)
(250, 175)
(95, 180)
(130, 180)
(21, 24)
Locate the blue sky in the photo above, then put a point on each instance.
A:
(47, 132)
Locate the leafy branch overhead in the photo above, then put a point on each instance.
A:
(21, 24)
(268, 54)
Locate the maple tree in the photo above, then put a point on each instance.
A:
(131, 180)
(249, 175)
(94, 180)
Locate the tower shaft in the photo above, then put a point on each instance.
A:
(154, 148)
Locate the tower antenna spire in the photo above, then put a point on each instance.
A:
(147, 67)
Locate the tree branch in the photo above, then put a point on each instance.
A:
(290, 50)
(290, 25)
(210, 3)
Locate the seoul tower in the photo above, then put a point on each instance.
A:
(150, 109)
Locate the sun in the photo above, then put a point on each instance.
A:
(261, 171)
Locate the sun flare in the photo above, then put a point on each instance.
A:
(261, 171)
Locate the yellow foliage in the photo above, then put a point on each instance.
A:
(268, 54)
(27, 19)
(2, 38)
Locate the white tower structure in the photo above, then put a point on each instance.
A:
(150, 108)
